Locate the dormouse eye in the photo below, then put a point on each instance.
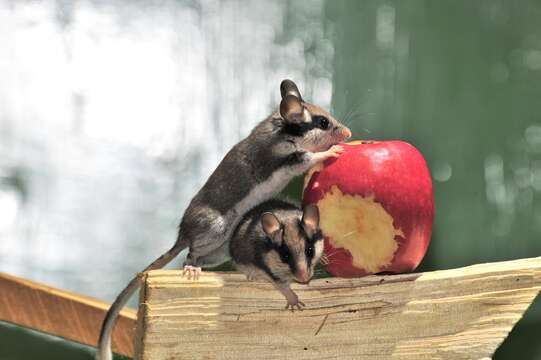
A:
(310, 251)
(322, 122)
(284, 254)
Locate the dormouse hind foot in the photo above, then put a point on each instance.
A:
(193, 272)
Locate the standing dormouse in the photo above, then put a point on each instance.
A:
(278, 242)
(285, 145)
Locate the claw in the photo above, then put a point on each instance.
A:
(299, 305)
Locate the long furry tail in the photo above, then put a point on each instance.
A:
(104, 343)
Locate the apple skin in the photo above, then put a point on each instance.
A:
(393, 180)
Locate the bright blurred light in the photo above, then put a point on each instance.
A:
(532, 59)
(9, 205)
(442, 172)
(118, 111)
(385, 26)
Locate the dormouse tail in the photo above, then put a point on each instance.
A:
(104, 342)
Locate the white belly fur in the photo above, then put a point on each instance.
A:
(262, 192)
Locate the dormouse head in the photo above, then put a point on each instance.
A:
(295, 244)
(314, 128)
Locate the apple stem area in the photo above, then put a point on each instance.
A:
(463, 313)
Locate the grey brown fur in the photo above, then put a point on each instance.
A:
(250, 163)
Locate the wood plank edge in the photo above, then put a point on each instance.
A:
(21, 294)
(129, 313)
(140, 330)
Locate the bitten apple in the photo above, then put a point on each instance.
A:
(376, 207)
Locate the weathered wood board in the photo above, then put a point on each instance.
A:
(62, 313)
(451, 314)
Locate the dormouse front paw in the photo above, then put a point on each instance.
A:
(335, 151)
(295, 304)
(293, 301)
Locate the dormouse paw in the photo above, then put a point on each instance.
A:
(192, 272)
(335, 151)
(296, 304)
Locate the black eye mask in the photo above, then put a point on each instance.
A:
(286, 257)
(310, 243)
(299, 129)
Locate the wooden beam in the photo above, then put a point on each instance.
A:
(62, 313)
(451, 314)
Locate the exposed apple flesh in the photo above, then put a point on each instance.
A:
(376, 207)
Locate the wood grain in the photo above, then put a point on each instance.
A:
(451, 314)
(62, 313)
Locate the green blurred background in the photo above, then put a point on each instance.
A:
(461, 80)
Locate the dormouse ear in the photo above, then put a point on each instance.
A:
(291, 109)
(310, 219)
(272, 227)
(288, 87)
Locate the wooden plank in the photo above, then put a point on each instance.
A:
(62, 313)
(451, 314)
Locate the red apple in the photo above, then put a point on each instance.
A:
(376, 207)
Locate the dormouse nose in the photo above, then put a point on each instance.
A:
(346, 132)
(303, 276)
(343, 132)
